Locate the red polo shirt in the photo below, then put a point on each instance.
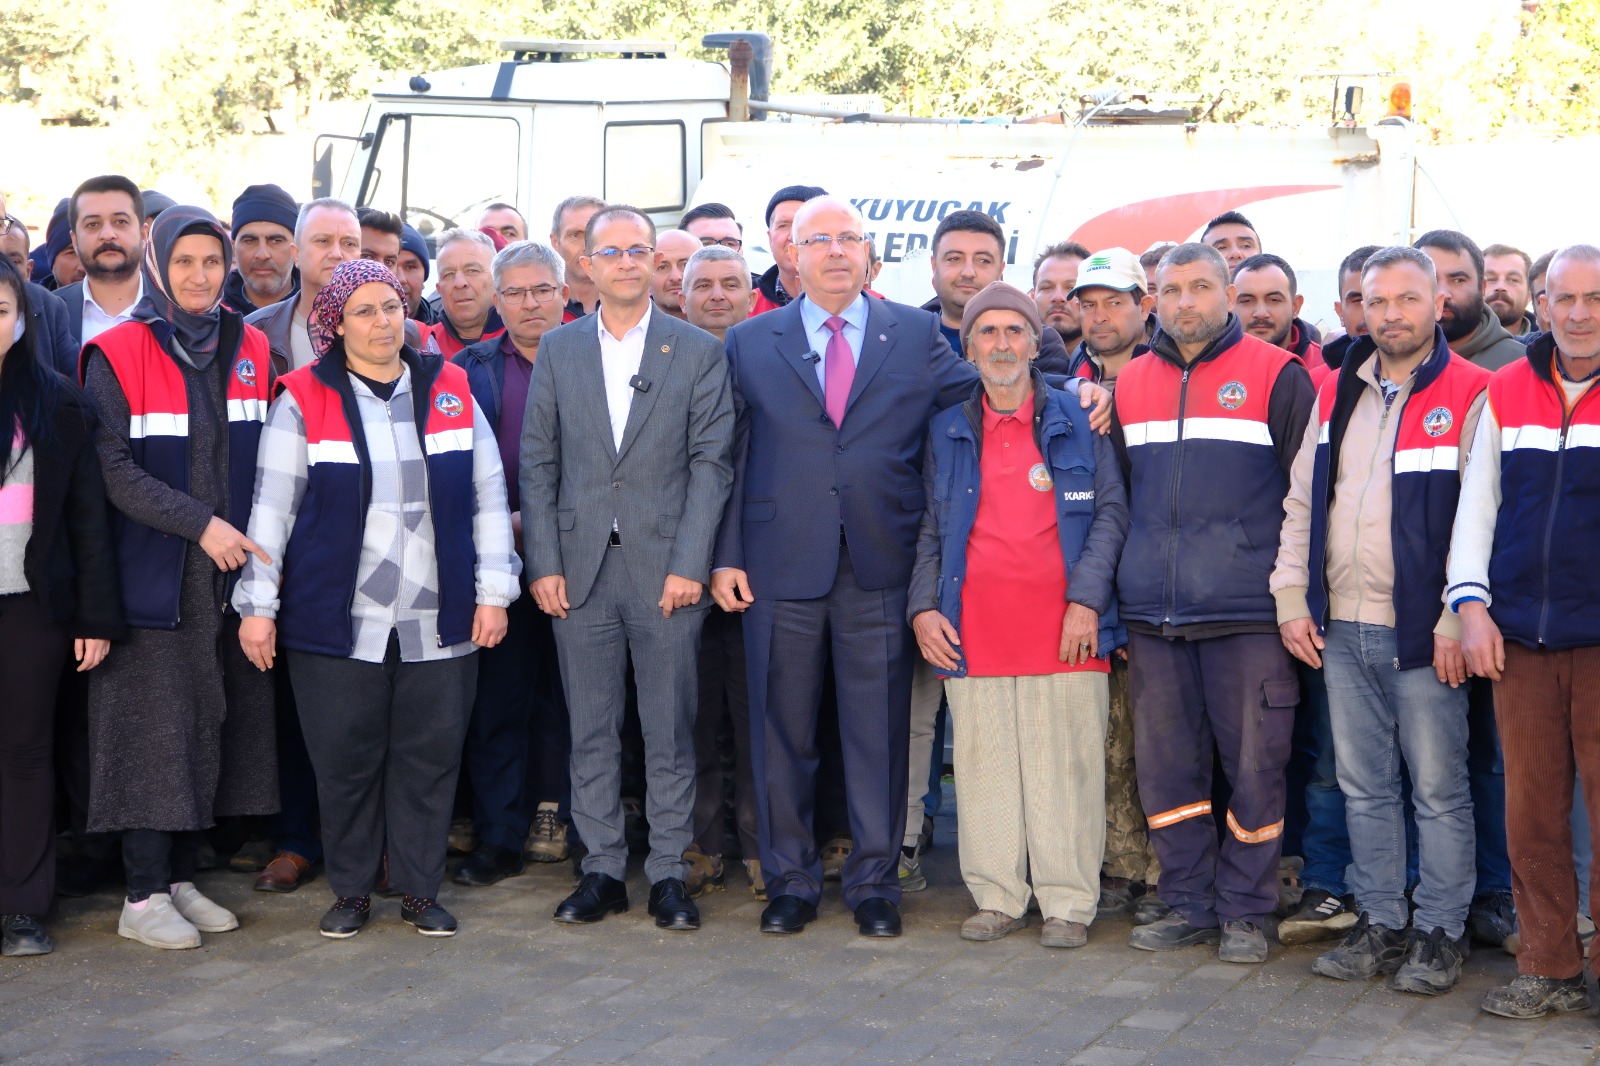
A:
(1016, 587)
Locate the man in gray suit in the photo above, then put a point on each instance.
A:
(626, 465)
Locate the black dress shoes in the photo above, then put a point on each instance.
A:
(671, 906)
(488, 864)
(878, 917)
(787, 914)
(596, 896)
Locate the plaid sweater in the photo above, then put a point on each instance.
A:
(397, 586)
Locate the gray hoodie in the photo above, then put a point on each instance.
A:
(1491, 345)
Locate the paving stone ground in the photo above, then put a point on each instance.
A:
(516, 988)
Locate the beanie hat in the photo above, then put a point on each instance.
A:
(265, 203)
(57, 235)
(411, 241)
(793, 192)
(155, 203)
(999, 296)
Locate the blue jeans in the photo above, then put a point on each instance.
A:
(1486, 770)
(1381, 714)
(1314, 821)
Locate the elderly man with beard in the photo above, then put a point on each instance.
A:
(1207, 425)
(1475, 333)
(517, 738)
(1013, 601)
(106, 218)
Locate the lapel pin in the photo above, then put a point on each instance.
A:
(883, 336)
(666, 347)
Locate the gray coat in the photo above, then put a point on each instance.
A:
(667, 484)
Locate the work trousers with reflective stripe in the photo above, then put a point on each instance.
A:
(1232, 697)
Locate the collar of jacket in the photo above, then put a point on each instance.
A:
(1337, 350)
(1302, 339)
(1163, 345)
(1426, 374)
(1541, 355)
(771, 290)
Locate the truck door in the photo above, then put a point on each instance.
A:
(439, 171)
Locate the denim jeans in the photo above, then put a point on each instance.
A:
(1380, 715)
(1486, 771)
(1314, 820)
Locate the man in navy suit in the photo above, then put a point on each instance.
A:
(833, 395)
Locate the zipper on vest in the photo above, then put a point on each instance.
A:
(1361, 508)
(1550, 522)
(394, 437)
(1172, 531)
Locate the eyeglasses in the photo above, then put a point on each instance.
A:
(367, 312)
(611, 255)
(733, 243)
(542, 294)
(842, 241)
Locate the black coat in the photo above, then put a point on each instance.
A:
(70, 562)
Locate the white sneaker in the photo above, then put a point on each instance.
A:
(157, 924)
(201, 912)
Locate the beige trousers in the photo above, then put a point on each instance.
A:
(1031, 790)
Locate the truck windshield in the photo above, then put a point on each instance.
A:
(440, 171)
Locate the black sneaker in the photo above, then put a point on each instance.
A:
(1530, 996)
(1320, 916)
(21, 934)
(346, 917)
(1367, 951)
(1433, 963)
(1492, 917)
(1171, 932)
(427, 916)
(1116, 898)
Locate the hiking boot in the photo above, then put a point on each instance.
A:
(1320, 916)
(758, 884)
(463, 838)
(199, 911)
(1242, 942)
(1289, 888)
(991, 925)
(705, 873)
(1534, 997)
(912, 878)
(1433, 963)
(834, 853)
(1170, 933)
(252, 856)
(157, 923)
(1116, 898)
(1492, 917)
(1366, 951)
(547, 837)
(1148, 908)
(1060, 933)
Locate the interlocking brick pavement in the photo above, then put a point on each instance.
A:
(516, 988)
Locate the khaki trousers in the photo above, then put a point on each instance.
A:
(1030, 788)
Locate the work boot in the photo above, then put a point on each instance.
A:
(1116, 898)
(1148, 908)
(1366, 951)
(1530, 996)
(1170, 933)
(706, 872)
(1433, 963)
(1492, 917)
(547, 837)
(1243, 942)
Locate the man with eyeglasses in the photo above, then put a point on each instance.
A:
(516, 750)
(625, 467)
(713, 223)
(673, 249)
(834, 394)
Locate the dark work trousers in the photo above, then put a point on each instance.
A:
(295, 824)
(1314, 822)
(517, 746)
(1486, 775)
(155, 860)
(102, 850)
(1230, 696)
(724, 696)
(385, 739)
(786, 644)
(32, 650)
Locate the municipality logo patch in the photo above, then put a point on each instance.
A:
(1437, 422)
(1039, 478)
(1232, 395)
(448, 404)
(246, 372)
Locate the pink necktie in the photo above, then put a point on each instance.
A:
(839, 372)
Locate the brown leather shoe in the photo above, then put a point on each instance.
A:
(285, 873)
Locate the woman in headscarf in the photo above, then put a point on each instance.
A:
(382, 494)
(58, 595)
(180, 724)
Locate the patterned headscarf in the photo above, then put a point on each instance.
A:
(197, 331)
(327, 310)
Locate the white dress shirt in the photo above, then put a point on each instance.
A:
(619, 360)
(96, 321)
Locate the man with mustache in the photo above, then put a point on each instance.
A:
(106, 217)
(1507, 272)
(1055, 273)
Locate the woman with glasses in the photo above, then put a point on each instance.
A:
(387, 560)
(181, 729)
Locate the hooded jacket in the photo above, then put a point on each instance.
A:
(1491, 346)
